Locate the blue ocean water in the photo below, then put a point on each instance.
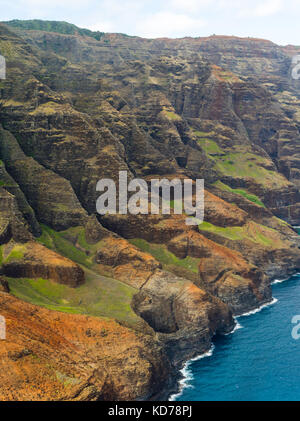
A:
(260, 361)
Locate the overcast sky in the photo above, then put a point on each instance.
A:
(276, 20)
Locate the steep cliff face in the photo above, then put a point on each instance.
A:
(55, 356)
(80, 106)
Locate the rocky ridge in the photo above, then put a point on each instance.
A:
(75, 109)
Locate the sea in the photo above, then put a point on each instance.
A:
(258, 361)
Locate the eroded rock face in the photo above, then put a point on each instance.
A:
(13, 224)
(80, 110)
(94, 231)
(221, 213)
(51, 196)
(224, 272)
(128, 263)
(35, 261)
(55, 356)
(182, 313)
(4, 287)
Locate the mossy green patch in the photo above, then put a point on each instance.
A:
(170, 115)
(66, 380)
(232, 233)
(250, 196)
(47, 108)
(54, 26)
(60, 242)
(210, 146)
(248, 165)
(254, 232)
(202, 134)
(164, 256)
(7, 49)
(99, 296)
(17, 253)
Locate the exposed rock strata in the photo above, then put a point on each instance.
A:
(36, 261)
(74, 110)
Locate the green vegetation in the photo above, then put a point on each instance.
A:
(53, 26)
(207, 144)
(66, 380)
(199, 133)
(232, 233)
(239, 162)
(246, 164)
(64, 243)
(7, 49)
(16, 253)
(164, 256)
(250, 196)
(210, 146)
(171, 115)
(254, 232)
(99, 296)
(47, 108)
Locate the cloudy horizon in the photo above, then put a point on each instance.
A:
(275, 20)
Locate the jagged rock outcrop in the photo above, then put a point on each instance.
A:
(182, 313)
(51, 196)
(32, 260)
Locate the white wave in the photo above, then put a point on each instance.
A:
(256, 310)
(279, 281)
(187, 373)
(237, 326)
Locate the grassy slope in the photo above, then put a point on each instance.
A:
(258, 234)
(238, 161)
(100, 296)
(250, 196)
(187, 268)
(53, 26)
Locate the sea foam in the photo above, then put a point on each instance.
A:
(186, 372)
(257, 310)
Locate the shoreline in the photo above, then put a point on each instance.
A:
(184, 373)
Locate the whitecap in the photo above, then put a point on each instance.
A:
(237, 326)
(187, 373)
(279, 281)
(256, 310)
